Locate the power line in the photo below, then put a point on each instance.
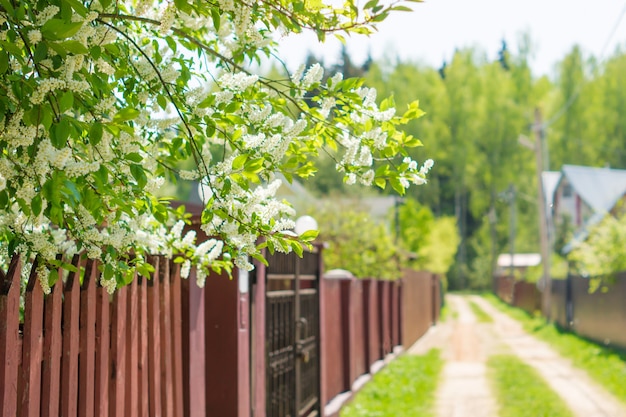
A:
(574, 96)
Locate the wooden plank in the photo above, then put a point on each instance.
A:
(52, 349)
(117, 383)
(71, 343)
(167, 388)
(103, 340)
(87, 362)
(177, 338)
(132, 351)
(144, 408)
(154, 338)
(9, 336)
(30, 383)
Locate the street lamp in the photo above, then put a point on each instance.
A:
(305, 224)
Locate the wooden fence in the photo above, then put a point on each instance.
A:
(82, 352)
(365, 321)
(524, 295)
(164, 347)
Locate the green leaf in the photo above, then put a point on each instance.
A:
(139, 174)
(4, 61)
(58, 29)
(66, 101)
(239, 161)
(215, 14)
(134, 156)
(309, 235)
(126, 114)
(74, 47)
(35, 204)
(60, 132)
(95, 133)
(78, 7)
(41, 52)
(297, 248)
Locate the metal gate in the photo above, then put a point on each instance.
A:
(292, 335)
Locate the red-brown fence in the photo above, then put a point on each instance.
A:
(81, 352)
(164, 347)
(367, 320)
(524, 295)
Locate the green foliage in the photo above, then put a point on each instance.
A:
(432, 240)
(357, 243)
(521, 391)
(601, 255)
(405, 388)
(103, 102)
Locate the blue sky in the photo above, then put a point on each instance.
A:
(431, 33)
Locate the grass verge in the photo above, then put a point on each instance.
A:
(480, 314)
(404, 388)
(604, 364)
(521, 392)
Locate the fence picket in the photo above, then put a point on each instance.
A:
(9, 336)
(103, 340)
(117, 383)
(30, 379)
(87, 360)
(52, 350)
(144, 409)
(177, 345)
(132, 351)
(154, 349)
(71, 343)
(167, 389)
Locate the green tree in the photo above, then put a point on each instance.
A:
(357, 243)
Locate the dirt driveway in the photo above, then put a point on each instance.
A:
(466, 345)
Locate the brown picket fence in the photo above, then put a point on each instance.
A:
(82, 352)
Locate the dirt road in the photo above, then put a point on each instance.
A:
(466, 345)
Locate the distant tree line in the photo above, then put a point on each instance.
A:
(476, 108)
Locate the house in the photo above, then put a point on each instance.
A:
(584, 195)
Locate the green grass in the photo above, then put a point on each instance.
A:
(521, 392)
(604, 364)
(446, 313)
(480, 314)
(404, 388)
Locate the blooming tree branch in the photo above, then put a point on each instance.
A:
(102, 102)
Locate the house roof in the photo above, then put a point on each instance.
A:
(600, 188)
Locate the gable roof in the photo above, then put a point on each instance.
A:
(600, 188)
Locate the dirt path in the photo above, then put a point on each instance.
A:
(466, 345)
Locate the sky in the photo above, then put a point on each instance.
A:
(431, 33)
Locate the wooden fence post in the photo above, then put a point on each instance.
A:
(52, 351)
(71, 342)
(9, 338)
(87, 365)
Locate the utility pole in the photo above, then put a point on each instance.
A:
(512, 212)
(543, 222)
